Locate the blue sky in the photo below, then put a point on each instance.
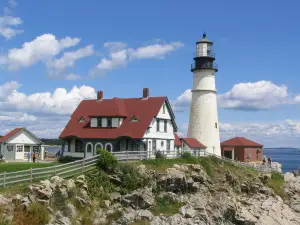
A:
(152, 45)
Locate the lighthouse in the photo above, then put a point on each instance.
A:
(203, 123)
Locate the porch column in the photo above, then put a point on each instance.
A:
(232, 154)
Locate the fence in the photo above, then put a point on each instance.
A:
(81, 166)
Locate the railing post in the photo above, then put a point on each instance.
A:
(82, 165)
(30, 175)
(4, 176)
(127, 155)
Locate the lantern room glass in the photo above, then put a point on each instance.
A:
(204, 49)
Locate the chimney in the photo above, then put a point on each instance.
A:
(145, 93)
(99, 95)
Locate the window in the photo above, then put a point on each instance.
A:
(154, 145)
(164, 109)
(69, 145)
(168, 145)
(109, 122)
(99, 124)
(10, 148)
(19, 148)
(89, 147)
(81, 120)
(162, 143)
(157, 125)
(134, 119)
(35, 148)
(165, 125)
(216, 125)
(78, 146)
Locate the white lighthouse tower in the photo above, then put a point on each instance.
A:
(203, 124)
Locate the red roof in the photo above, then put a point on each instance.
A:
(240, 141)
(177, 141)
(10, 134)
(193, 143)
(144, 109)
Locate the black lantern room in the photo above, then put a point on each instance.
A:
(204, 58)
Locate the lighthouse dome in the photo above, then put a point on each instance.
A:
(204, 39)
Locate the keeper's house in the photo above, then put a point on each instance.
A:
(18, 143)
(120, 124)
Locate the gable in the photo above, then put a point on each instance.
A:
(164, 112)
(23, 137)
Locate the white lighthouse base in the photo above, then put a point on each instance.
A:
(203, 124)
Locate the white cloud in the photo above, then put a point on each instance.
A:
(73, 76)
(8, 24)
(253, 96)
(16, 117)
(42, 48)
(270, 134)
(60, 102)
(56, 67)
(259, 95)
(120, 55)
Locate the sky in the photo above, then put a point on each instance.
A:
(54, 54)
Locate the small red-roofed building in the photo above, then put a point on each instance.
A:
(193, 146)
(120, 124)
(16, 144)
(242, 149)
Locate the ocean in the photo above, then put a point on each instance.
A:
(53, 149)
(288, 158)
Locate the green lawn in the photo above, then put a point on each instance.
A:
(17, 166)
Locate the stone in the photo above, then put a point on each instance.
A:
(83, 202)
(139, 199)
(264, 179)
(56, 181)
(70, 185)
(254, 188)
(47, 184)
(198, 177)
(115, 196)
(107, 203)
(145, 214)
(231, 179)
(264, 190)
(71, 210)
(190, 212)
(63, 192)
(82, 178)
(245, 188)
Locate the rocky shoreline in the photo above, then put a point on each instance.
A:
(199, 200)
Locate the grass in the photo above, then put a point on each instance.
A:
(276, 182)
(166, 206)
(19, 166)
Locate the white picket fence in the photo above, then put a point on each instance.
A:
(81, 166)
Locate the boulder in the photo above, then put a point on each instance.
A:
(70, 185)
(139, 199)
(56, 181)
(71, 210)
(174, 180)
(145, 215)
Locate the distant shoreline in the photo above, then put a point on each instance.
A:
(283, 148)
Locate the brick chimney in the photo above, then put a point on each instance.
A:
(99, 95)
(145, 93)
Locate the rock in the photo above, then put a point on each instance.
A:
(56, 181)
(80, 182)
(41, 192)
(296, 172)
(83, 202)
(70, 185)
(47, 184)
(192, 186)
(145, 214)
(254, 188)
(71, 210)
(63, 192)
(107, 203)
(231, 179)
(139, 199)
(82, 178)
(245, 188)
(61, 220)
(264, 190)
(264, 179)
(190, 212)
(115, 179)
(115, 196)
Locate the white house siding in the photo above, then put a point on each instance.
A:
(159, 137)
(23, 138)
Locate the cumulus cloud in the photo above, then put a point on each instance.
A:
(260, 95)
(60, 102)
(56, 67)
(42, 48)
(255, 96)
(284, 133)
(120, 55)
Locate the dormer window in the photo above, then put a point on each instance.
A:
(134, 119)
(81, 120)
(164, 109)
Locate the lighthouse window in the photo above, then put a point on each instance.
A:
(216, 125)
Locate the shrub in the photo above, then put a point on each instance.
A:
(131, 179)
(276, 182)
(165, 205)
(186, 155)
(106, 161)
(35, 214)
(159, 155)
(66, 159)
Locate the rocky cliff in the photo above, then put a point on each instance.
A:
(179, 194)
